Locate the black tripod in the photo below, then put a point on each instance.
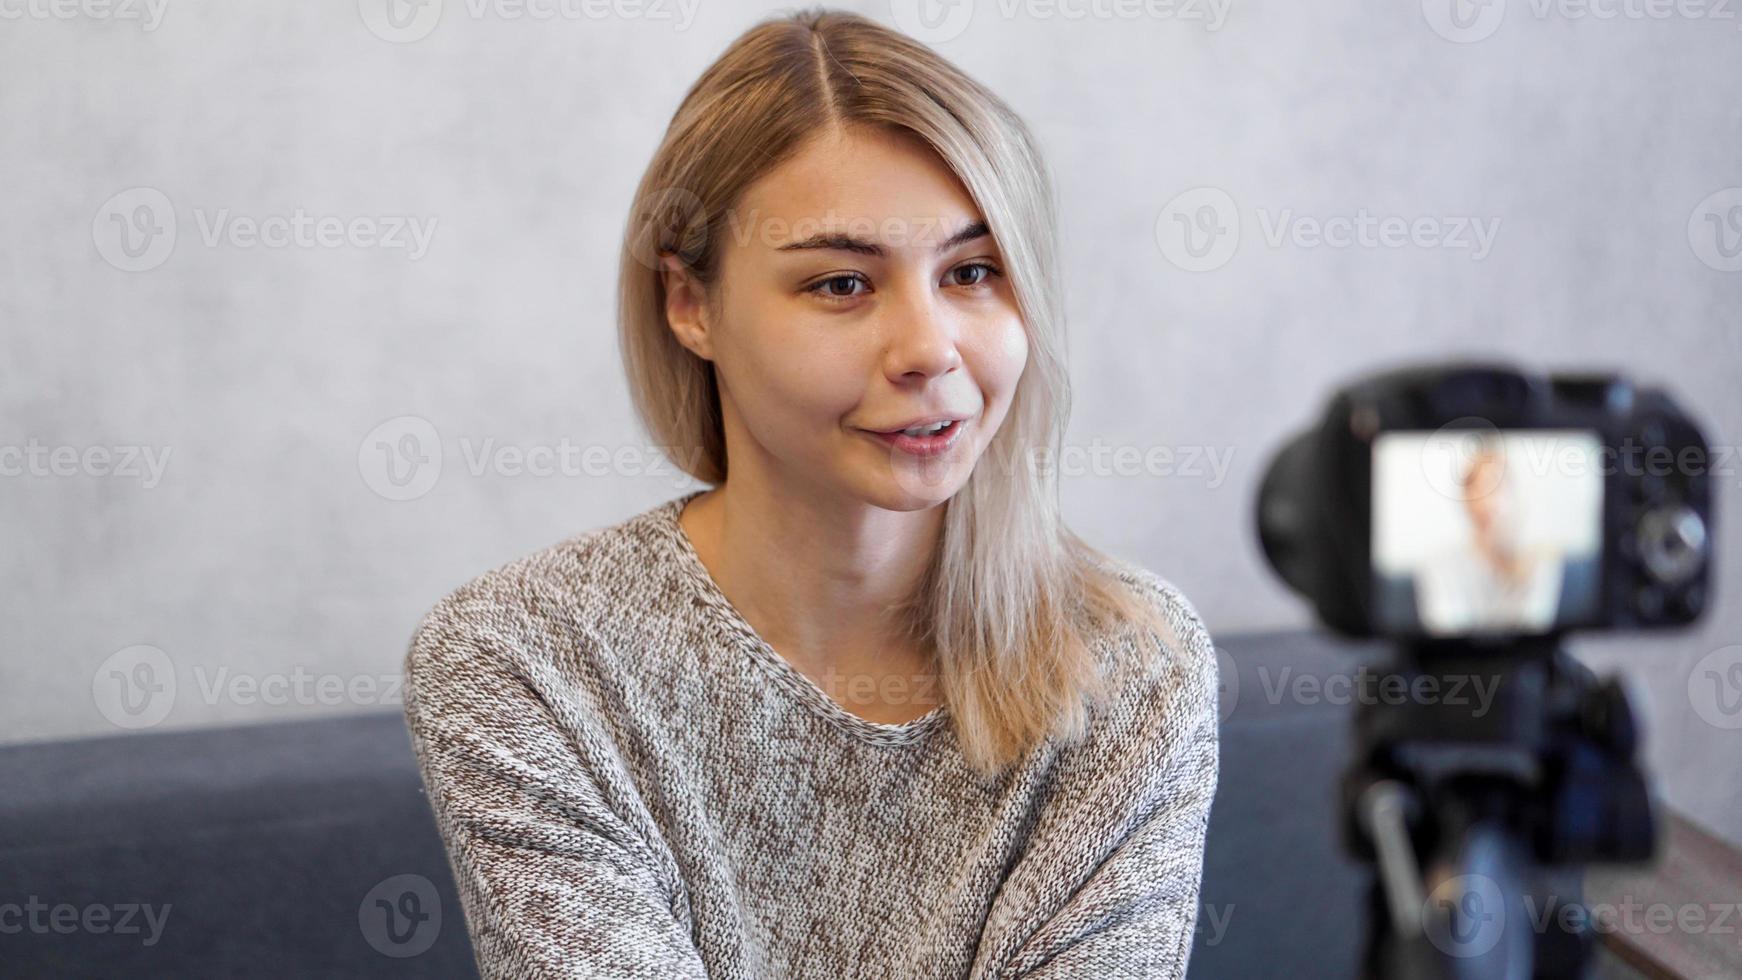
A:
(1485, 775)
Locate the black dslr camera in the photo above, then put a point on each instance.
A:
(1471, 515)
(1480, 502)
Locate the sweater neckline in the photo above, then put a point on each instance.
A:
(785, 675)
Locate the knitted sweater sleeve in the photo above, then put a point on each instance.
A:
(1119, 898)
(553, 882)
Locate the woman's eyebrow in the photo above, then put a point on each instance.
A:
(863, 246)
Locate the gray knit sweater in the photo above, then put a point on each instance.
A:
(631, 783)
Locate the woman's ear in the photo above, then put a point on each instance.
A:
(686, 306)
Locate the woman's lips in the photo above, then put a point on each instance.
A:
(922, 446)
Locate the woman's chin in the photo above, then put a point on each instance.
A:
(909, 491)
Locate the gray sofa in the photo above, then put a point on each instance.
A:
(308, 849)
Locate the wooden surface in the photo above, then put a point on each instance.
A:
(1685, 919)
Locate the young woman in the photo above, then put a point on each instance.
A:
(865, 708)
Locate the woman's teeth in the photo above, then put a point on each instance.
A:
(926, 430)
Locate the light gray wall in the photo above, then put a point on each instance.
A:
(1586, 145)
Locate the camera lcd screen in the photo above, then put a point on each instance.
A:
(1485, 531)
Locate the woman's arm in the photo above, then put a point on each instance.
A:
(1110, 884)
(553, 882)
(1135, 914)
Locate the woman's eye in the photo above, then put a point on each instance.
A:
(844, 287)
(989, 269)
(831, 288)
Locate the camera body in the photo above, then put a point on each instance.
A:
(1477, 502)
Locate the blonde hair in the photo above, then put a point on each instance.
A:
(1011, 597)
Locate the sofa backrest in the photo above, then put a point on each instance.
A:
(308, 848)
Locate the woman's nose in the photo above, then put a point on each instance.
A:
(922, 340)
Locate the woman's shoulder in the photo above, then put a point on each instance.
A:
(1191, 637)
(1180, 662)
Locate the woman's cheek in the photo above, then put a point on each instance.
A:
(822, 381)
(1011, 354)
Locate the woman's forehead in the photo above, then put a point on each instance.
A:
(859, 183)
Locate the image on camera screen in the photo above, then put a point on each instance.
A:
(1485, 531)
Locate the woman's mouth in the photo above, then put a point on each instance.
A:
(924, 441)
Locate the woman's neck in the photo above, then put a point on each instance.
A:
(817, 580)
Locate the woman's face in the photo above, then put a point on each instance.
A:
(858, 291)
(1485, 497)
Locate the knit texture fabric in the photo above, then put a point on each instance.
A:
(631, 783)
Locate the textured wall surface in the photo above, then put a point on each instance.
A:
(1570, 175)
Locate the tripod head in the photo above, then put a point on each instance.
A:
(1502, 766)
